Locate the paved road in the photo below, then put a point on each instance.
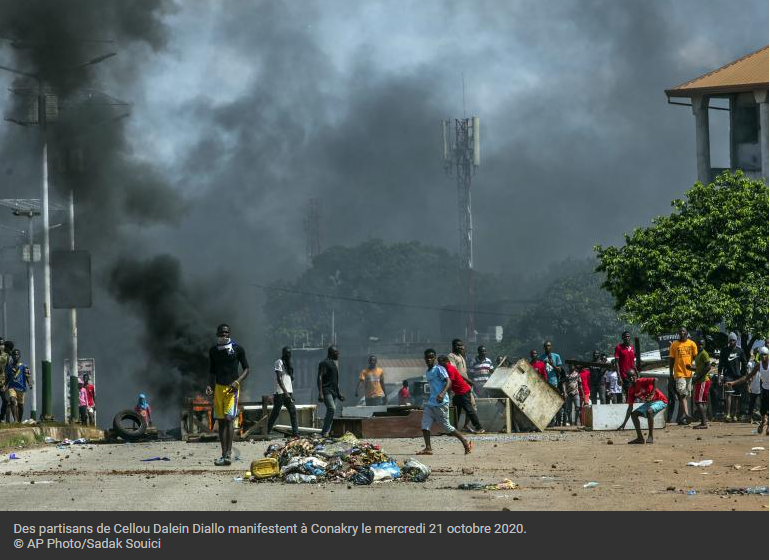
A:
(550, 471)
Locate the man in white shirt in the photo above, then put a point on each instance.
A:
(284, 374)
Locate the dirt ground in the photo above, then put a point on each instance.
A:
(550, 469)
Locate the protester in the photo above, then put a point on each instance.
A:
(643, 389)
(571, 392)
(702, 383)
(225, 384)
(5, 354)
(462, 395)
(143, 409)
(83, 402)
(755, 389)
(91, 401)
(554, 367)
(481, 369)
(597, 390)
(283, 392)
(762, 367)
(625, 358)
(732, 365)
(538, 364)
(373, 380)
(436, 408)
(680, 367)
(614, 388)
(457, 358)
(404, 396)
(328, 387)
(18, 380)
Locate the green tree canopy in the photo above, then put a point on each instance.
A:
(705, 264)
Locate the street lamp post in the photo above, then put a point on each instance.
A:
(30, 214)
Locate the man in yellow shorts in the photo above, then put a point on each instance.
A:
(224, 358)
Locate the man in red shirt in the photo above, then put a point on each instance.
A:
(625, 357)
(538, 364)
(462, 395)
(643, 389)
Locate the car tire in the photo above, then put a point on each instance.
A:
(127, 432)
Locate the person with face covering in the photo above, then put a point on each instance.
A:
(282, 395)
(225, 384)
(143, 408)
(732, 365)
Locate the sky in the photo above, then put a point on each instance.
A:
(241, 111)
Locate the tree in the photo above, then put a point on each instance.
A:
(704, 264)
(573, 311)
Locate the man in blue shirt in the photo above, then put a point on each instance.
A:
(17, 380)
(436, 408)
(554, 367)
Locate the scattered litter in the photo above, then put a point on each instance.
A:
(691, 492)
(658, 461)
(385, 471)
(299, 478)
(704, 463)
(13, 456)
(762, 490)
(415, 471)
(264, 468)
(547, 478)
(590, 485)
(670, 488)
(237, 479)
(155, 459)
(49, 439)
(737, 467)
(751, 453)
(40, 482)
(757, 448)
(471, 486)
(505, 484)
(758, 468)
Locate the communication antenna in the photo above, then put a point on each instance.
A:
(461, 158)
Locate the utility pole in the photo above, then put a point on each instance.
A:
(313, 230)
(42, 121)
(73, 380)
(461, 158)
(30, 258)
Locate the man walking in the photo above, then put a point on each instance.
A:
(481, 369)
(643, 389)
(436, 409)
(681, 356)
(328, 387)
(225, 384)
(732, 365)
(373, 380)
(18, 380)
(462, 395)
(282, 394)
(762, 367)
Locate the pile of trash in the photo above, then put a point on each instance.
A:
(344, 459)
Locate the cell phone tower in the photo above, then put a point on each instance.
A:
(461, 158)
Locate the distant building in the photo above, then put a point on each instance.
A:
(744, 82)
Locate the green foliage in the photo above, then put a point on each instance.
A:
(704, 264)
(573, 312)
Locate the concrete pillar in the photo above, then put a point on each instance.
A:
(700, 104)
(761, 98)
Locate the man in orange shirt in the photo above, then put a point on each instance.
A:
(373, 380)
(681, 358)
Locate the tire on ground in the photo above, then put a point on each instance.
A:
(130, 416)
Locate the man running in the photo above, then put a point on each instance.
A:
(224, 358)
(643, 388)
(436, 408)
(462, 395)
(282, 394)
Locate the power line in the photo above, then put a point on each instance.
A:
(391, 303)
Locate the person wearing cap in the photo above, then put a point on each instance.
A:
(732, 365)
(680, 367)
(225, 384)
(762, 368)
(701, 383)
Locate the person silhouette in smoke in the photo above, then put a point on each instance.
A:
(224, 358)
